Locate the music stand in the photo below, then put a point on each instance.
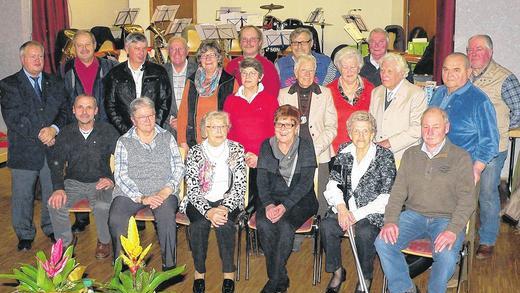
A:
(224, 9)
(353, 31)
(177, 26)
(240, 19)
(165, 13)
(357, 20)
(126, 16)
(276, 38)
(226, 31)
(315, 16)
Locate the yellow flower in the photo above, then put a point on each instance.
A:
(77, 273)
(133, 252)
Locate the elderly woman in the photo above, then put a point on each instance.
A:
(350, 91)
(216, 185)
(319, 121)
(251, 111)
(205, 91)
(357, 192)
(286, 167)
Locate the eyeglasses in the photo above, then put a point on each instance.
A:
(250, 40)
(297, 44)
(181, 49)
(145, 118)
(249, 73)
(281, 125)
(208, 56)
(217, 127)
(474, 50)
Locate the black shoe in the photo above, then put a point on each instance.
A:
(79, 226)
(25, 245)
(167, 268)
(141, 225)
(51, 238)
(368, 282)
(336, 289)
(228, 286)
(199, 286)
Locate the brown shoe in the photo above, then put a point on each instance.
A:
(484, 251)
(102, 250)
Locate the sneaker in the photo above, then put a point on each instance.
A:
(102, 250)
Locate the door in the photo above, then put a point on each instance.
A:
(421, 13)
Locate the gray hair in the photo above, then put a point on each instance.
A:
(29, 44)
(464, 57)
(304, 58)
(84, 33)
(180, 39)
(213, 115)
(259, 33)
(346, 53)
(402, 65)
(380, 31)
(301, 30)
(86, 96)
(443, 113)
(253, 63)
(135, 38)
(486, 38)
(361, 116)
(141, 103)
(207, 45)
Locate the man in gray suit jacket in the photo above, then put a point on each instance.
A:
(178, 69)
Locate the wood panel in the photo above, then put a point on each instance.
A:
(420, 13)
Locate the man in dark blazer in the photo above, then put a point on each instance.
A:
(136, 78)
(34, 107)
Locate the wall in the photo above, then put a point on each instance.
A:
(86, 14)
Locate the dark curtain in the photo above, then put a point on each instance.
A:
(49, 17)
(444, 35)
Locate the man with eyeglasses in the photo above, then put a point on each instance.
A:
(136, 78)
(251, 39)
(301, 44)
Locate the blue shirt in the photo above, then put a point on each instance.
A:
(473, 123)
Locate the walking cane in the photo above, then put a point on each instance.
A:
(362, 282)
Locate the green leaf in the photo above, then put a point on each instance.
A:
(58, 279)
(8, 276)
(29, 271)
(41, 256)
(161, 277)
(69, 251)
(42, 280)
(24, 279)
(26, 288)
(118, 266)
(69, 266)
(126, 279)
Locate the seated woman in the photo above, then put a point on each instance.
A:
(357, 192)
(286, 167)
(216, 186)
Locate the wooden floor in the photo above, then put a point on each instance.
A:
(501, 273)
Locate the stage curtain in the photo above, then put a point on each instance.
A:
(49, 17)
(444, 35)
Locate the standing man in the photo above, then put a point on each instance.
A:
(435, 185)
(503, 89)
(397, 106)
(84, 75)
(136, 78)
(178, 68)
(80, 168)
(34, 108)
(251, 38)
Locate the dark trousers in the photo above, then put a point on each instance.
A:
(123, 208)
(199, 234)
(365, 235)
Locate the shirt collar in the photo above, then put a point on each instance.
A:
(392, 93)
(315, 88)
(461, 90)
(240, 92)
(140, 69)
(132, 133)
(435, 152)
(371, 154)
(30, 77)
(183, 68)
(374, 62)
(78, 63)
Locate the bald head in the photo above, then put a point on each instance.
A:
(434, 127)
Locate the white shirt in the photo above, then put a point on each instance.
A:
(137, 75)
(334, 195)
(240, 93)
(374, 62)
(218, 156)
(390, 95)
(435, 151)
(178, 82)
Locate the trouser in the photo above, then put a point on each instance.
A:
(199, 234)
(123, 208)
(323, 178)
(99, 200)
(365, 235)
(22, 201)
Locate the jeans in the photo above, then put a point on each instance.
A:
(99, 200)
(413, 225)
(364, 236)
(489, 200)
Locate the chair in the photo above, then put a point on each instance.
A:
(310, 227)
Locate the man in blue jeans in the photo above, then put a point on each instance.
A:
(435, 184)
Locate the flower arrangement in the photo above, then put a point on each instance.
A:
(60, 273)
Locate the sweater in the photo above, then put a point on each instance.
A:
(271, 80)
(441, 187)
(325, 70)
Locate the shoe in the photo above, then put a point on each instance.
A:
(79, 226)
(141, 225)
(283, 286)
(484, 251)
(228, 286)
(51, 238)
(167, 268)
(337, 288)
(102, 250)
(199, 286)
(24, 244)
(358, 286)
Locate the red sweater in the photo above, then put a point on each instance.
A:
(251, 123)
(271, 80)
(87, 75)
(344, 109)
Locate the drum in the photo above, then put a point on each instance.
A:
(271, 23)
(291, 23)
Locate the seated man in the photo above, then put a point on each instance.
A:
(80, 168)
(148, 172)
(435, 184)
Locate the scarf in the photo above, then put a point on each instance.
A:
(287, 162)
(206, 88)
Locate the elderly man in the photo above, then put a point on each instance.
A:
(250, 38)
(84, 75)
(474, 128)
(178, 68)
(397, 106)
(435, 184)
(80, 168)
(301, 44)
(148, 172)
(133, 79)
(34, 108)
(503, 89)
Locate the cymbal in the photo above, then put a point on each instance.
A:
(319, 23)
(272, 7)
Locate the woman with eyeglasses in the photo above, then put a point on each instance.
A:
(286, 167)
(251, 110)
(216, 186)
(205, 91)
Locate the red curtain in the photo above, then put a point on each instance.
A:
(444, 35)
(49, 17)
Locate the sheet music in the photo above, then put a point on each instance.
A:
(241, 19)
(165, 13)
(274, 38)
(225, 9)
(315, 16)
(214, 32)
(353, 32)
(357, 20)
(227, 31)
(177, 26)
(126, 16)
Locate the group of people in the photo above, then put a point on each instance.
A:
(369, 135)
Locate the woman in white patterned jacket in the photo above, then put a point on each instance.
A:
(216, 186)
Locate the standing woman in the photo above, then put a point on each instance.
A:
(216, 186)
(205, 91)
(286, 167)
